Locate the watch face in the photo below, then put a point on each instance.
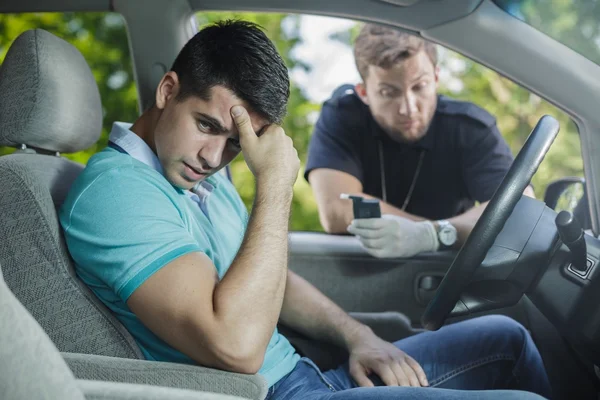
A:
(447, 235)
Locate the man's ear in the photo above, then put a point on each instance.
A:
(361, 91)
(167, 89)
(436, 74)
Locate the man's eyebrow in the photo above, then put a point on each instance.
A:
(389, 85)
(214, 123)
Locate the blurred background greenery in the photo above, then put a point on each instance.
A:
(102, 39)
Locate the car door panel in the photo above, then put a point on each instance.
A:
(357, 282)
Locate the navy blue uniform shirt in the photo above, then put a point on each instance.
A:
(464, 156)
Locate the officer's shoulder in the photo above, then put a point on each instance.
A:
(465, 109)
(345, 97)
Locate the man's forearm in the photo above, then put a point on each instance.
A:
(250, 295)
(310, 312)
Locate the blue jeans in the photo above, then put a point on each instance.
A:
(462, 361)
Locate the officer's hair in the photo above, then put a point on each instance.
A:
(385, 47)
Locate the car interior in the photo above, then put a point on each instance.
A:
(523, 258)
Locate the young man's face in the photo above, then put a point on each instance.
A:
(402, 99)
(195, 138)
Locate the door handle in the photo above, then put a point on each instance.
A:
(425, 287)
(430, 283)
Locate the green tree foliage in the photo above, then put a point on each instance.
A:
(102, 39)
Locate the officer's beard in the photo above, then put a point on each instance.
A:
(403, 136)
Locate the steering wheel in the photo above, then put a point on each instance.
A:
(491, 222)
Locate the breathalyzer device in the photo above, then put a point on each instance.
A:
(363, 208)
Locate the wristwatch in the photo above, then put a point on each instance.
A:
(446, 234)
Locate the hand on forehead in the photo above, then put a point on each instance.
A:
(259, 124)
(215, 110)
(223, 100)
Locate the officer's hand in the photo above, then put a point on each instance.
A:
(393, 236)
(271, 157)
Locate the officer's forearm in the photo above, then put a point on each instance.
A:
(464, 223)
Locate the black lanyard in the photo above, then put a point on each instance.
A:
(414, 180)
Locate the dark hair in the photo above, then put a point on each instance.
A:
(385, 47)
(240, 57)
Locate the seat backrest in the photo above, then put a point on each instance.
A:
(30, 366)
(49, 104)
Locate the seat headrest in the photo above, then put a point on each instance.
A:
(48, 96)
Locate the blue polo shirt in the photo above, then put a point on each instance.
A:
(123, 221)
(464, 156)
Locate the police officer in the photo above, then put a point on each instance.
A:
(429, 158)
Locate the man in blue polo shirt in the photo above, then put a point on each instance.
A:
(165, 242)
(391, 137)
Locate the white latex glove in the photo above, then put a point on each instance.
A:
(393, 236)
